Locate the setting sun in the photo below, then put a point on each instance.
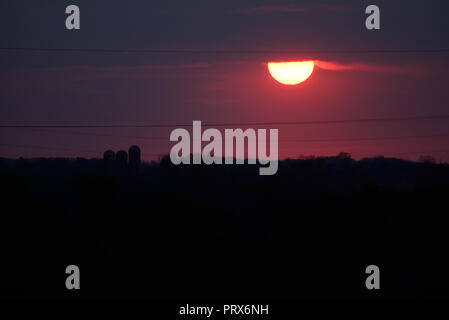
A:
(292, 72)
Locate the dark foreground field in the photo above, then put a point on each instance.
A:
(224, 232)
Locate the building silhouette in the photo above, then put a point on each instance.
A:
(122, 159)
(134, 157)
(109, 155)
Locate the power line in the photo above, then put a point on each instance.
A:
(233, 124)
(281, 140)
(219, 52)
(416, 152)
(40, 147)
(94, 134)
(368, 138)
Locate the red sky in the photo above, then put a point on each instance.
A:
(95, 88)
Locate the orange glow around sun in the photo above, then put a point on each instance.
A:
(292, 72)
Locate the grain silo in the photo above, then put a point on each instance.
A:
(109, 155)
(134, 157)
(122, 159)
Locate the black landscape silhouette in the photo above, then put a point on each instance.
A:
(159, 231)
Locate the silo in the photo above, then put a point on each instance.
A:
(134, 157)
(109, 155)
(122, 159)
(109, 160)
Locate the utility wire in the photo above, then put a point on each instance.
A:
(233, 124)
(219, 52)
(40, 147)
(282, 140)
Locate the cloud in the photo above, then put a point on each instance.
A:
(270, 9)
(335, 66)
(89, 72)
(214, 101)
(138, 68)
(290, 9)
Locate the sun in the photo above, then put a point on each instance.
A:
(291, 72)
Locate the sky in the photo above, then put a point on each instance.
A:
(58, 87)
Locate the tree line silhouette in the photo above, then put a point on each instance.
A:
(161, 231)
